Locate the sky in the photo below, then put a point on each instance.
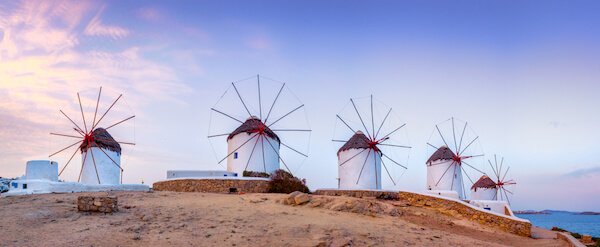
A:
(524, 74)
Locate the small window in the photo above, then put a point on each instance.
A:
(235, 155)
(487, 208)
(24, 186)
(15, 185)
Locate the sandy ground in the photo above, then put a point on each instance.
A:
(201, 219)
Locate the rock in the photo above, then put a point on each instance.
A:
(587, 239)
(301, 199)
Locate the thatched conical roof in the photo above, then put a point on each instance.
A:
(102, 139)
(443, 153)
(484, 182)
(358, 141)
(253, 125)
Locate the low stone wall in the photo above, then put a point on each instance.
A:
(456, 208)
(213, 185)
(571, 241)
(102, 204)
(388, 195)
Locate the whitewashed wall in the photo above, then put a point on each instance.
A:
(451, 180)
(41, 169)
(348, 173)
(108, 172)
(238, 165)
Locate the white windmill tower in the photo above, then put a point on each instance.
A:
(493, 194)
(488, 189)
(362, 156)
(446, 166)
(270, 135)
(100, 152)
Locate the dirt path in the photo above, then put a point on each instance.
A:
(201, 219)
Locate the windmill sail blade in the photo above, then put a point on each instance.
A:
(222, 113)
(259, 100)
(111, 159)
(250, 156)
(238, 147)
(119, 122)
(95, 167)
(65, 135)
(465, 149)
(438, 182)
(361, 120)
(262, 144)
(107, 110)
(462, 161)
(338, 116)
(77, 142)
(363, 166)
(78, 128)
(454, 134)
(240, 96)
(346, 161)
(461, 136)
(67, 164)
(272, 105)
(282, 117)
(388, 172)
(279, 156)
(494, 170)
(384, 137)
(465, 172)
(439, 132)
(82, 165)
(293, 149)
(382, 122)
(382, 154)
(394, 145)
(82, 115)
(96, 111)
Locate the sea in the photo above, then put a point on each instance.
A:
(582, 224)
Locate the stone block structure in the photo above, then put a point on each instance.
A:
(102, 204)
(255, 185)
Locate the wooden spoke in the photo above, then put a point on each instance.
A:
(240, 96)
(361, 120)
(215, 110)
(119, 122)
(363, 166)
(238, 148)
(382, 154)
(353, 156)
(338, 116)
(272, 105)
(107, 110)
(271, 124)
(77, 142)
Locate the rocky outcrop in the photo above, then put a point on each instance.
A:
(455, 208)
(102, 204)
(213, 185)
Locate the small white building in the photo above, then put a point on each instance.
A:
(261, 154)
(41, 177)
(353, 162)
(484, 189)
(444, 173)
(98, 166)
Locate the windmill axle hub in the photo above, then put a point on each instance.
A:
(457, 159)
(88, 138)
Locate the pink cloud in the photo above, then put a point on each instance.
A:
(97, 28)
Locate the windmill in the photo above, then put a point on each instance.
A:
(456, 147)
(371, 135)
(501, 183)
(100, 151)
(263, 123)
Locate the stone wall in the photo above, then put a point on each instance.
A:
(102, 204)
(445, 206)
(456, 208)
(213, 185)
(388, 195)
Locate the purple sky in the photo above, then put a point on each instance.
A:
(523, 74)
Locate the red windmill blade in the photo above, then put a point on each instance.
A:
(94, 138)
(360, 132)
(501, 182)
(275, 130)
(456, 155)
